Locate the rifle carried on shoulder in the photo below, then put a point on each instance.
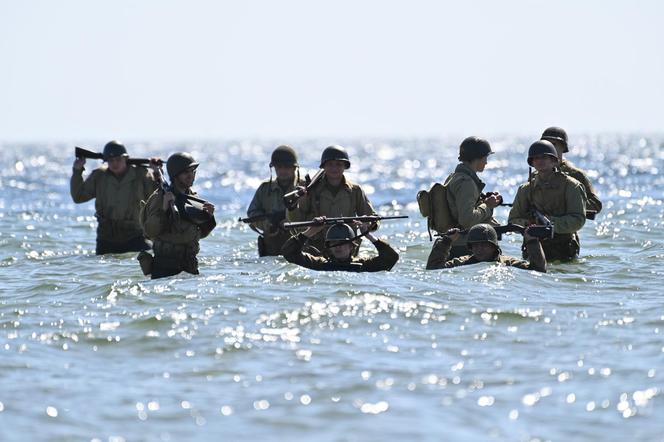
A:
(342, 219)
(291, 198)
(79, 152)
(274, 217)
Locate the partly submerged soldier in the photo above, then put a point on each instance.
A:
(555, 195)
(467, 204)
(268, 201)
(483, 245)
(339, 243)
(558, 137)
(118, 190)
(176, 233)
(333, 196)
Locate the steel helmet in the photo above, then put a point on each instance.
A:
(339, 232)
(283, 156)
(473, 148)
(556, 134)
(541, 147)
(335, 152)
(114, 149)
(179, 162)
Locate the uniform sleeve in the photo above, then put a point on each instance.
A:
(386, 259)
(464, 197)
(536, 256)
(156, 219)
(208, 227)
(440, 252)
(82, 191)
(257, 207)
(292, 252)
(575, 204)
(363, 206)
(593, 201)
(150, 183)
(520, 212)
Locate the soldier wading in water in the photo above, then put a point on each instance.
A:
(338, 255)
(175, 222)
(557, 196)
(483, 245)
(268, 204)
(118, 190)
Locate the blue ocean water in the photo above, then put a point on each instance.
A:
(261, 349)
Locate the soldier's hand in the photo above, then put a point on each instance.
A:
(168, 199)
(454, 234)
(155, 164)
(526, 233)
(313, 230)
(492, 201)
(209, 208)
(79, 163)
(319, 220)
(366, 227)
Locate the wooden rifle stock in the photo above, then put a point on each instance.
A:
(79, 152)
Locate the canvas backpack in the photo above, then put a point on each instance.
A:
(434, 207)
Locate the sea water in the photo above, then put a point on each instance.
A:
(259, 349)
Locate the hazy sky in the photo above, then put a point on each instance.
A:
(160, 69)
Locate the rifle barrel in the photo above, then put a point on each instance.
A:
(343, 219)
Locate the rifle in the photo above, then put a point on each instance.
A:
(342, 219)
(274, 217)
(291, 198)
(544, 221)
(79, 152)
(165, 188)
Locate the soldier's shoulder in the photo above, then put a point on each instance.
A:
(572, 180)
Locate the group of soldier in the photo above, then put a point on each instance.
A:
(137, 210)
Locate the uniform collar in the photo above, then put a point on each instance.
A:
(555, 178)
(466, 170)
(345, 184)
(274, 184)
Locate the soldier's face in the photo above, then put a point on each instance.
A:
(544, 163)
(334, 169)
(117, 165)
(186, 179)
(560, 147)
(343, 251)
(483, 251)
(479, 164)
(285, 173)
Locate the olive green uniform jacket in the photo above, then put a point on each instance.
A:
(439, 258)
(464, 191)
(592, 200)
(175, 240)
(269, 199)
(385, 260)
(117, 200)
(562, 200)
(350, 200)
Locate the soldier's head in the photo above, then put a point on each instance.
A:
(181, 168)
(339, 241)
(335, 161)
(284, 161)
(482, 242)
(475, 152)
(542, 155)
(558, 137)
(115, 155)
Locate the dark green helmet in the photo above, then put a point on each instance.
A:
(482, 233)
(541, 147)
(335, 153)
(556, 134)
(283, 156)
(178, 163)
(339, 232)
(473, 148)
(114, 149)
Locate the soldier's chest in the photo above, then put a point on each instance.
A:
(338, 204)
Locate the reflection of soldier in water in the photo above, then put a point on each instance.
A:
(557, 196)
(118, 189)
(269, 201)
(339, 250)
(483, 246)
(176, 237)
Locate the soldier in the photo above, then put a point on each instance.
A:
(467, 204)
(268, 202)
(339, 250)
(176, 231)
(558, 137)
(483, 246)
(556, 195)
(118, 189)
(334, 195)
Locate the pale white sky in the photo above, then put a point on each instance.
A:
(163, 69)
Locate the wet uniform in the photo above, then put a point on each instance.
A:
(269, 198)
(175, 241)
(562, 200)
(385, 260)
(592, 200)
(439, 257)
(117, 205)
(348, 199)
